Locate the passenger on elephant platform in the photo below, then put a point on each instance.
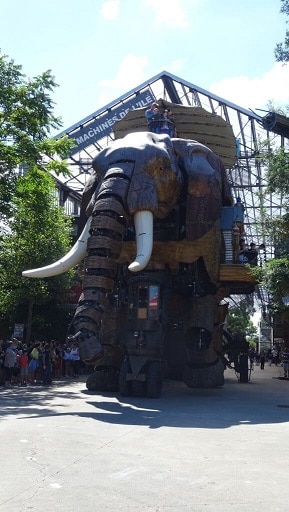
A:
(243, 248)
(172, 124)
(249, 254)
(167, 123)
(153, 118)
(164, 123)
(253, 252)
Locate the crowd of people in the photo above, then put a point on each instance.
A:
(160, 121)
(40, 363)
(272, 357)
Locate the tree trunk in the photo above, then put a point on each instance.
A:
(29, 321)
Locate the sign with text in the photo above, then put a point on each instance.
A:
(102, 126)
(18, 331)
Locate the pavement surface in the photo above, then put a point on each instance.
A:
(64, 448)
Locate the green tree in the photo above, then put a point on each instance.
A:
(274, 275)
(239, 322)
(39, 233)
(26, 119)
(282, 49)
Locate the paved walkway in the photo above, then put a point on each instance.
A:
(223, 450)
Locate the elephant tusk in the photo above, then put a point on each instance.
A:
(72, 258)
(143, 222)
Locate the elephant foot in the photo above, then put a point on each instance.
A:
(205, 377)
(150, 386)
(103, 379)
(91, 350)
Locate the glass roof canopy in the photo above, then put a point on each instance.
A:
(246, 175)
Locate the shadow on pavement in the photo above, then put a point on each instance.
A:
(263, 400)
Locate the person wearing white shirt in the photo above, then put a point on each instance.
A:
(75, 359)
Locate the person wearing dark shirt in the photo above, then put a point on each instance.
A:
(46, 365)
(153, 116)
(285, 362)
(252, 254)
(249, 255)
(262, 361)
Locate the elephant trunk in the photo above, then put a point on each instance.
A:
(108, 225)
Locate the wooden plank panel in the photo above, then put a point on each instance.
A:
(235, 273)
(191, 123)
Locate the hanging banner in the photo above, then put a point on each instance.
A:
(102, 126)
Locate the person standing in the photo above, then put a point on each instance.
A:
(34, 363)
(171, 120)
(285, 362)
(67, 367)
(270, 357)
(46, 365)
(243, 249)
(164, 124)
(75, 360)
(9, 363)
(262, 361)
(58, 361)
(274, 356)
(152, 116)
(23, 363)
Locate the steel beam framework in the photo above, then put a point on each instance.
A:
(247, 175)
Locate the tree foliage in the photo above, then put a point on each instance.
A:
(274, 275)
(277, 175)
(282, 49)
(26, 119)
(39, 233)
(239, 322)
(38, 230)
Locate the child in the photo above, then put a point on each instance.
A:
(23, 363)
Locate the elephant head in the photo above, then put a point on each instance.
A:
(138, 177)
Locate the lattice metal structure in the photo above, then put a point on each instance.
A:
(247, 175)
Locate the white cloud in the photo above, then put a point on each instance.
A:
(256, 92)
(110, 9)
(168, 12)
(131, 66)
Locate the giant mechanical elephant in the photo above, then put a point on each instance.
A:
(139, 315)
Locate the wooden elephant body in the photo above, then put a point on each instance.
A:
(161, 199)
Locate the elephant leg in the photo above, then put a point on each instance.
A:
(106, 374)
(204, 367)
(211, 376)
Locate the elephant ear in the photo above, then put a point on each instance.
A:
(206, 186)
(183, 148)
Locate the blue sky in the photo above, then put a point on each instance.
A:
(99, 49)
